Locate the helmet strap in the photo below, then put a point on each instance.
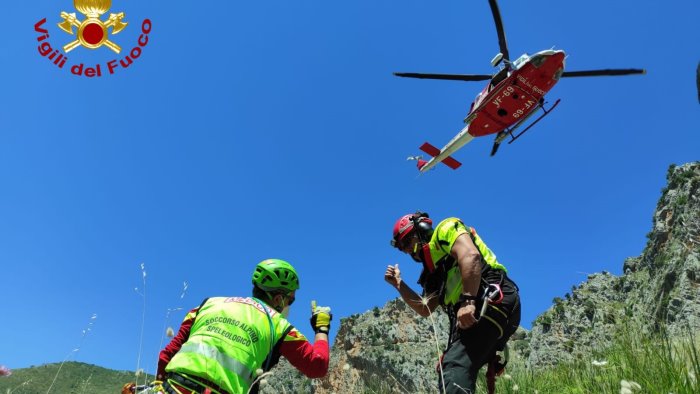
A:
(271, 300)
(427, 258)
(282, 305)
(421, 254)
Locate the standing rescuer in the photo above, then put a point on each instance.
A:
(461, 274)
(223, 343)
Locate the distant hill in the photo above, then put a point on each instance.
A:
(75, 378)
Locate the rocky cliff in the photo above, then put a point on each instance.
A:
(391, 349)
(658, 289)
(386, 347)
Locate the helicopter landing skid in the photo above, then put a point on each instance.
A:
(509, 132)
(546, 112)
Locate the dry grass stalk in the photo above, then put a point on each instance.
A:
(86, 331)
(425, 301)
(143, 320)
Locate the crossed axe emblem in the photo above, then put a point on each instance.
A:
(96, 30)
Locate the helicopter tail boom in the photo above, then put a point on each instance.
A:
(435, 152)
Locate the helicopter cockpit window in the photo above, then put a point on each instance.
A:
(521, 60)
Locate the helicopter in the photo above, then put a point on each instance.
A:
(512, 96)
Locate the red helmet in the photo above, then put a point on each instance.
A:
(405, 226)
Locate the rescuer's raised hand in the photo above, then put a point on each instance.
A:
(321, 317)
(392, 275)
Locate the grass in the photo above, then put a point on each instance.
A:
(656, 362)
(637, 362)
(142, 293)
(86, 331)
(425, 301)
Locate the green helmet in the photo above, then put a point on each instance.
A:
(275, 275)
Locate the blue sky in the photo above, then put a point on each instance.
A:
(251, 130)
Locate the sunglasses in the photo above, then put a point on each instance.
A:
(290, 300)
(402, 244)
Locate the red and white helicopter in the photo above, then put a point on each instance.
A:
(512, 96)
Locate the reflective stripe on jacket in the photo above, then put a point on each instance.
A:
(230, 339)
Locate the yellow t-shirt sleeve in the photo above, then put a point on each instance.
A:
(447, 233)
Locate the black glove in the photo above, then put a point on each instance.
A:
(321, 317)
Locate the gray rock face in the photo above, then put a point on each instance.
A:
(388, 347)
(659, 288)
(392, 349)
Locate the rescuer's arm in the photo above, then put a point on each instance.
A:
(469, 261)
(310, 359)
(175, 344)
(320, 336)
(392, 275)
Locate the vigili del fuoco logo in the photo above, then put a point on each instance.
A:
(90, 31)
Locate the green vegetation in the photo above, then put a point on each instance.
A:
(658, 363)
(647, 363)
(682, 200)
(75, 378)
(676, 178)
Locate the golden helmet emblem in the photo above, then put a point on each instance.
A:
(92, 32)
(92, 8)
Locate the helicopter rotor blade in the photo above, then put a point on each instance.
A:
(448, 77)
(503, 46)
(697, 80)
(605, 72)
